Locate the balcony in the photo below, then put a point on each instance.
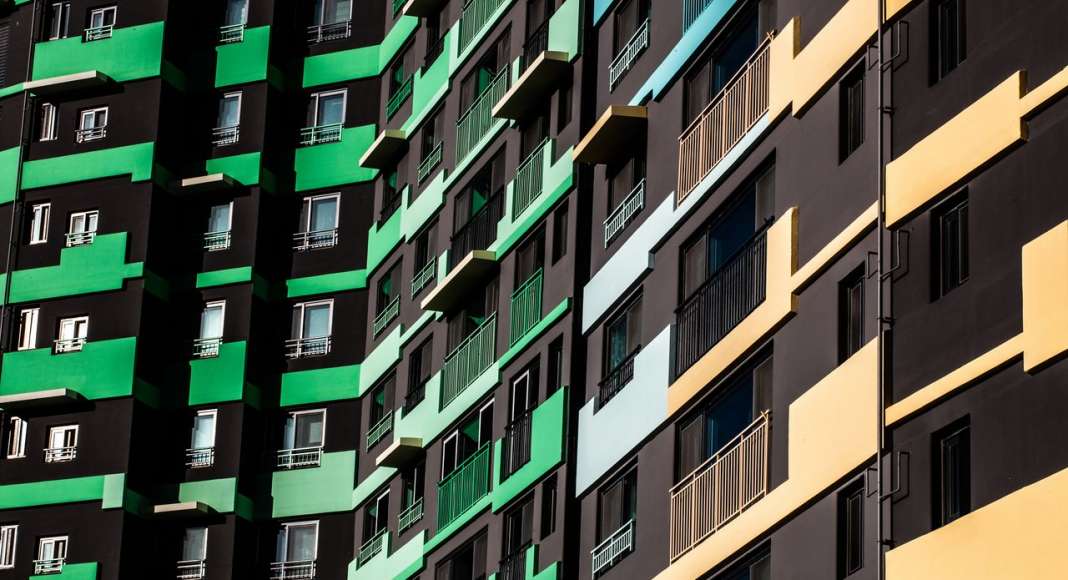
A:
(390, 205)
(327, 32)
(513, 566)
(479, 232)
(199, 457)
(515, 446)
(424, 277)
(399, 96)
(295, 570)
(307, 347)
(614, 381)
(409, 516)
(469, 360)
(475, 17)
(232, 33)
(724, 122)
(63, 345)
(541, 70)
(90, 134)
(388, 315)
(60, 454)
(80, 238)
(469, 264)
(223, 136)
(462, 488)
(719, 489)
(478, 119)
(637, 44)
(612, 135)
(421, 8)
(321, 134)
(372, 547)
(217, 241)
(98, 32)
(379, 430)
(721, 302)
(190, 569)
(613, 548)
(527, 185)
(384, 151)
(315, 240)
(431, 161)
(415, 395)
(300, 457)
(691, 11)
(617, 221)
(206, 347)
(49, 566)
(525, 310)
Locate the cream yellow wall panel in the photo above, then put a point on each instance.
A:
(1045, 297)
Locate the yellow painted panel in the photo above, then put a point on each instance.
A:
(1045, 297)
(1018, 536)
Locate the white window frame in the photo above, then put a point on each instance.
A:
(41, 216)
(229, 216)
(16, 438)
(294, 414)
(310, 200)
(303, 306)
(526, 377)
(63, 20)
(74, 322)
(102, 12)
(214, 303)
(240, 104)
(52, 540)
(322, 14)
(287, 525)
(9, 537)
(319, 95)
(61, 430)
(455, 435)
(84, 237)
(214, 414)
(96, 131)
(204, 547)
(29, 319)
(48, 122)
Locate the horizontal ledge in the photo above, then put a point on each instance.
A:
(465, 276)
(40, 399)
(611, 134)
(72, 82)
(538, 78)
(401, 452)
(185, 509)
(384, 149)
(210, 182)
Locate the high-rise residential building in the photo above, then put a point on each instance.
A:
(533, 289)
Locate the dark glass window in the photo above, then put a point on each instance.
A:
(466, 563)
(851, 314)
(555, 380)
(548, 506)
(851, 529)
(851, 112)
(381, 400)
(530, 257)
(715, 69)
(518, 528)
(947, 37)
(622, 334)
(951, 244)
(388, 288)
(418, 373)
(624, 177)
(560, 230)
(627, 21)
(617, 504)
(412, 484)
(952, 471)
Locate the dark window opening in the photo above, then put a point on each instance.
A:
(851, 112)
(950, 236)
(548, 506)
(851, 314)
(947, 37)
(851, 529)
(617, 504)
(952, 474)
(715, 69)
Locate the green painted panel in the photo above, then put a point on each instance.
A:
(9, 174)
(314, 491)
(382, 238)
(419, 211)
(243, 62)
(370, 484)
(388, 352)
(219, 379)
(102, 369)
(220, 494)
(133, 160)
(557, 180)
(390, 562)
(531, 335)
(132, 52)
(337, 163)
(546, 450)
(358, 63)
(326, 283)
(81, 571)
(429, 85)
(447, 532)
(95, 267)
(224, 277)
(244, 168)
(52, 492)
(320, 385)
(565, 28)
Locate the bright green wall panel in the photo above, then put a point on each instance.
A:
(546, 450)
(243, 62)
(391, 562)
(55, 491)
(358, 63)
(96, 267)
(9, 174)
(132, 52)
(320, 385)
(220, 494)
(322, 489)
(133, 160)
(244, 168)
(224, 277)
(382, 238)
(219, 379)
(102, 369)
(80, 571)
(332, 164)
(326, 283)
(565, 28)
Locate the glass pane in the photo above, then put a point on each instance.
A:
(316, 321)
(730, 416)
(323, 214)
(91, 219)
(732, 233)
(309, 430)
(204, 431)
(236, 12)
(229, 111)
(301, 545)
(331, 109)
(289, 433)
(338, 10)
(56, 437)
(194, 543)
(211, 322)
(219, 218)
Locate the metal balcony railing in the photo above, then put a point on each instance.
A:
(476, 15)
(525, 310)
(295, 570)
(721, 302)
(307, 347)
(415, 395)
(315, 240)
(206, 347)
(528, 179)
(223, 136)
(513, 566)
(537, 43)
(48, 566)
(691, 11)
(720, 488)
(217, 241)
(390, 205)
(231, 33)
(613, 548)
(424, 277)
(617, 378)
(388, 315)
(199, 457)
(467, 484)
(60, 454)
(398, 97)
(617, 221)
(379, 430)
(431, 161)
(90, 134)
(190, 569)
(476, 121)
(637, 44)
(515, 446)
(724, 122)
(98, 32)
(372, 547)
(80, 238)
(326, 32)
(299, 457)
(69, 344)
(479, 232)
(410, 515)
(320, 134)
(468, 360)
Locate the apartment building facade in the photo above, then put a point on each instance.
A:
(732, 289)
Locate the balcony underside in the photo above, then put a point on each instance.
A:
(208, 183)
(182, 510)
(90, 79)
(401, 453)
(48, 398)
(529, 90)
(385, 149)
(612, 134)
(419, 8)
(461, 281)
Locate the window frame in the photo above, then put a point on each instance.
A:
(620, 479)
(850, 536)
(64, 541)
(303, 306)
(9, 538)
(85, 214)
(958, 205)
(309, 202)
(319, 95)
(287, 525)
(17, 428)
(959, 429)
(214, 414)
(61, 431)
(28, 340)
(102, 12)
(221, 304)
(940, 67)
(853, 84)
(295, 415)
(229, 216)
(851, 323)
(74, 322)
(58, 27)
(40, 220)
(454, 435)
(240, 105)
(48, 122)
(91, 113)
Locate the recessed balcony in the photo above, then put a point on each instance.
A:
(541, 71)
(293, 570)
(296, 348)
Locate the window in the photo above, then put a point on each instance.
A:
(628, 19)
(220, 221)
(92, 124)
(304, 429)
(950, 244)
(228, 122)
(388, 289)
(617, 504)
(555, 378)
(58, 20)
(28, 328)
(202, 440)
(419, 364)
(212, 318)
(548, 506)
(424, 248)
(298, 542)
(412, 484)
(82, 228)
(719, 65)
(16, 438)
(62, 444)
(375, 516)
(480, 305)
(564, 106)
(518, 534)
(533, 133)
(313, 320)
(524, 392)
(560, 231)
(952, 470)
(850, 314)
(851, 112)
(381, 401)
(401, 70)
(51, 553)
(435, 37)
(467, 562)
(851, 529)
(622, 335)
(947, 37)
(624, 178)
(327, 108)
(530, 257)
(8, 536)
(194, 546)
(757, 567)
(39, 216)
(236, 13)
(72, 334)
(433, 134)
(462, 443)
(47, 122)
(318, 222)
(101, 23)
(332, 12)
(484, 72)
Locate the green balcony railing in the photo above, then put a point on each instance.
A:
(528, 183)
(410, 515)
(526, 308)
(379, 430)
(475, 17)
(462, 488)
(388, 314)
(424, 277)
(477, 120)
(398, 97)
(468, 360)
(432, 160)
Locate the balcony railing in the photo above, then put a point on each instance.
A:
(48, 566)
(388, 314)
(391, 202)
(315, 240)
(90, 134)
(720, 488)
(379, 430)
(479, 232)
(98, 32)
(691, 11)
(619, 218)
(613, 548)
(432, 160)
(295, 570)
(191, 569)
(80, 238)
(231, 33)
(525, 311)
(475, 16)
(724, 122)
(327, 32)
(397, 5)
(206, 347)
(223, 136)
(320, 134)
(477, 120)
(637, 44)
(515, 446)
(217, 241)
(513, 566)
(415, 395)
(372, 547)
(398, 97)
(467, 484)
(527, 185)
(721, 302)
(468, 360)
(199, 457)
(69, 345)
(410, 515)
(537, 43)
(307, 347)
(424, 277)
(299, 457)
(617, 378)
(60, 454)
